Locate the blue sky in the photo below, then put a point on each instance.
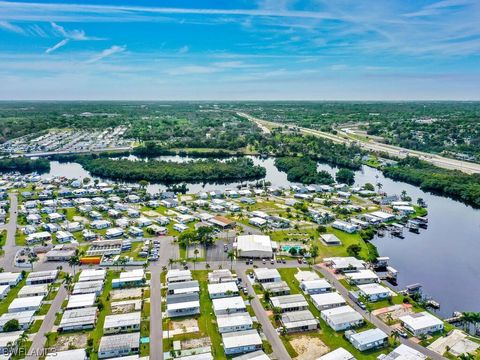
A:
(234, 49)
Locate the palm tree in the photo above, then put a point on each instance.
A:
(277, 313)
(389, 318)
(170, 262)
(266, 295)
(379, 186)
(196, 251)
(73, 262)
(231, 256)
(68, 280)
(32, 259)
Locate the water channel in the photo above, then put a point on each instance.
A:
(441, 258)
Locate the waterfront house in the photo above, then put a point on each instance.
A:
(422, 323)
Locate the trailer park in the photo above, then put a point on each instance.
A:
(104, 270)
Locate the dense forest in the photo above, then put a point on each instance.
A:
(319, 149)
(169, 172)
(24, 165)
(451, 183)
(303, 170)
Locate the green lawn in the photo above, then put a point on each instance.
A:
(5, 303)
(207, 322)
(329, 337)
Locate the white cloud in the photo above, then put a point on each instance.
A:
(192, 70)
(5, 25)
(57, 46)
(115, 49)
(74, 35)
(183, 49)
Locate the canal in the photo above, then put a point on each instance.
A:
(442, 258)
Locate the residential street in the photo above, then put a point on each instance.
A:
(156, 330)
(10, 248)
(268, 329)
(374, 320)
(36, 350)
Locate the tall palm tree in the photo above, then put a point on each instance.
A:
(73, 262)
(231, 256)
(196, 251)
(170, 262)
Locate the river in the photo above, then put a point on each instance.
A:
(441, 258)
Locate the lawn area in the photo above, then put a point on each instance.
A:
(3, 239)
(207, 322)
(145, 324)
(43, 309)
(20, 238)
(5, 303)
(329, 337)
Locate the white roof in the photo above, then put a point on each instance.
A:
(92, 274)
(81, 300)
(316, 284)
(23, 317)
(337, 354)
(77, 354)
(362, 275)
(266, 273)
(33, 289)
(404, 352)
(9, 337)
(222, 288)
(254, 243)
(241, 339)
(256, 355)
(342, 315)
(19, 303)
(112, 321)
(7, 277)
(234, 302)
(306, 275)
(234, 319)
(420, 320)
(369, 336)
(373, 289)
(330, 298)
(345, 262)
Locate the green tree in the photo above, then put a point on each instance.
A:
(354, 250)
(345, 176)
(11, 325)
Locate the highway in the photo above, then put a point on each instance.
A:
(374, 146)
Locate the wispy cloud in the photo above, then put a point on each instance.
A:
(5, 25)
(115, 49)
(57, 46)
(68, 35)
(183, 49)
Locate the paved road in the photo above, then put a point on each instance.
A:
(10, 248)
(373, 319)
(437, 160)
(36, 350)
(272, 336)
(156, 331)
